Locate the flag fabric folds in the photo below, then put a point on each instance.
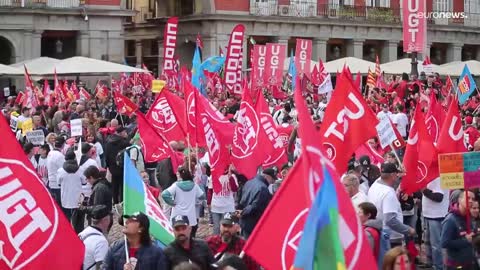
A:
(137, 198)
(466, 85)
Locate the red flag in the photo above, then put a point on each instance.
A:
(451, 134)
(399, 143)
(233, 61)
(154, 146)
(199, 41)
(357, 252)
(434, 117)
(47, 94)
(366, 150)
(250, 145)
(303, 56)
(279, 155)
(378, 72)
(316, 77)
(124, 105)
(216, 143)
(20, 98)
(348, 123)
(274, 59)
(258, 66)
(169, 44)
(162, 117)
(84, 94)
(421, 158)
(33, 229)
(29, 91)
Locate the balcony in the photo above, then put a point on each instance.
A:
(379, 15)
(41, 3)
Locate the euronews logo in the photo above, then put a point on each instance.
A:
(442, 15)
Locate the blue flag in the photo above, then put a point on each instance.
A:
(196, 69)
(292, 71)
(213, 64)
(466, 85)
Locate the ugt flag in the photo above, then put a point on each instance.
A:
(137, 198)
(34, 233)
(466, 85)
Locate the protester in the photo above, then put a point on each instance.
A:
(42, 169)
(96, 244)
(254, 200)
(223, 201)
(155, 191)
(182, 196)
(370, 172)
(29, 150)
(70, 180)
(352, 185)
(228, 241)
(55, 160)
(396, 259)
(101, 188)
(384, 197)
(232, 262)
(186, 248)
(142, 254)
(115, 144)
(456, 236)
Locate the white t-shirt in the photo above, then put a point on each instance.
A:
(223, 201)
(386, 201)
(42, 170)
(55, 160)
(96, 247)
(359, 198)
(431, 209)
(401, 120)
(185, 202)
(99, 149)
(87, 188)
(71, 188)
(383, 114)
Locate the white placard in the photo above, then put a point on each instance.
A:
(36, 137)
(6, 91)
(76, 127)
(13, 123)
(385, 131)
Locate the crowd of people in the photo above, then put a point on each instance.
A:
(84, 175)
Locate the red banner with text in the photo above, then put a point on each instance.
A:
(303, 56)
(258, 66)
(275, 57)
(414, 26)
(233, 62)
(169, 44)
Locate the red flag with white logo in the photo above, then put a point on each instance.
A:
(154, 145)
(217, 144)
(258, 66)
(435, 117)
(451, 135)
(33, 229)
(124, 105)
(233, 61)
(164, 120)
(274, 59)
(250, 145)
(279, 156)
(357, 252)
(348, 123)
(421, 157)
(303, 56)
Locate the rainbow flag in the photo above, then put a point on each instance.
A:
(137, 198)
(320, 246)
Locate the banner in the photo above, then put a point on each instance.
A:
(414, 26)
(233, 62)
(303, 56)
(169, 44)
(275, 58)
(258, 66)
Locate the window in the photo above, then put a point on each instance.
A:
(442, 5)
(377, 3)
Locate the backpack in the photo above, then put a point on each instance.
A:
(83, 240)
(120, 156)
(381, 240)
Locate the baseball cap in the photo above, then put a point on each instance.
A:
(271, 172)
(364, 161)
(98, 212)
(180, 220)
(229, 219)
(389, 168)
(140, 218)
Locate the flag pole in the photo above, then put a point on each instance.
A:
(397, 157)
(126, 249)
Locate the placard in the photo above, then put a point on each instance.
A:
(13, 123)
(36, 137)
(385, 131)
(6, 91)
(157, 85)
(459, 170)
(76, 127)
(26, 126)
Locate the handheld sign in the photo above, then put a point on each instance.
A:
(459, 170)
(157, 85)
(13, 123)
(36, 137)
(385, 131)
(27, 125)
(76, 127)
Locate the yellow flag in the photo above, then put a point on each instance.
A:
(158, 85)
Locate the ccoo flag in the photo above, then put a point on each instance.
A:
(320, 246)
(466, 85)
(137, 198)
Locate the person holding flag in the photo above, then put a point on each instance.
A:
(142, 254)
